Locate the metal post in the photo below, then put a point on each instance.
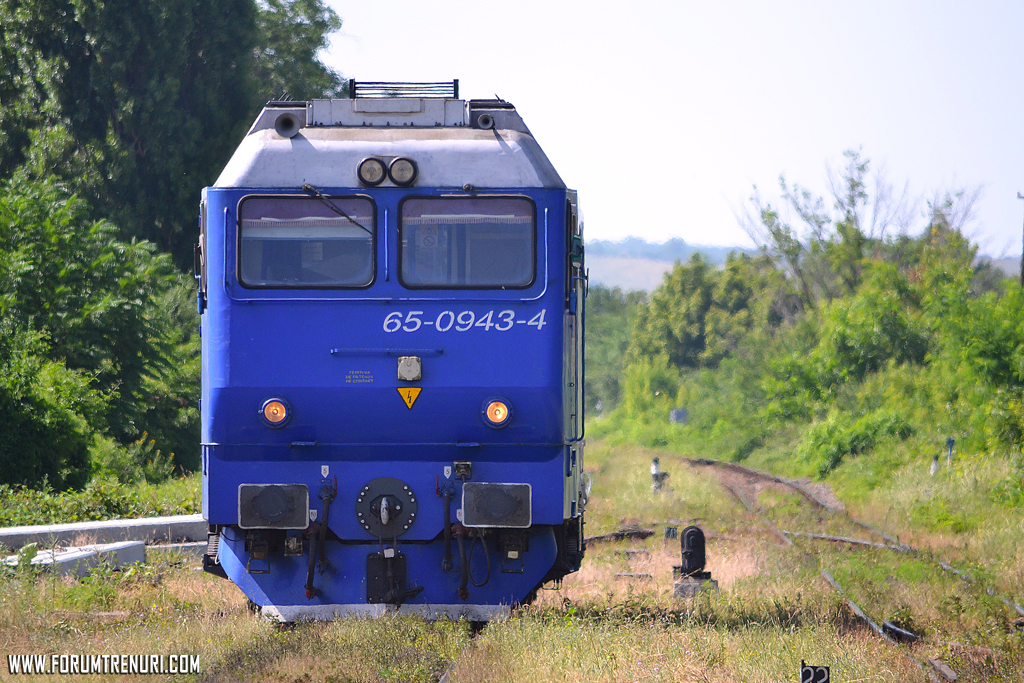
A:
(1021, 196)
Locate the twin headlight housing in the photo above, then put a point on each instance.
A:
(373, 170)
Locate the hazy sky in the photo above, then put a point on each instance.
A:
(665, 114)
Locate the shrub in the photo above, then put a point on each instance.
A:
(45, 434)
(826, 443)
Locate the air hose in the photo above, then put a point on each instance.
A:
(310, 590)
(465, 557)
(318, 539)
(460, 537)
(446, 564)
(487, 555)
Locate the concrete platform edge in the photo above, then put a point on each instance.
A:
(175, 529)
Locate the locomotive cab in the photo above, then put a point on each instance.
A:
(392, 298)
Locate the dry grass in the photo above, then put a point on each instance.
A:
(175, 609)
(600, 577)
(542, 649)
(772, 609)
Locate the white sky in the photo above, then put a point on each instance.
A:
(664, 114)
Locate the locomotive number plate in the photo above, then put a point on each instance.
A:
(464, 321)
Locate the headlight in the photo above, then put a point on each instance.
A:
(371, 171)
(402, 171)
(275, 412)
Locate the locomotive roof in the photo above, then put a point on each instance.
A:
(483, 143)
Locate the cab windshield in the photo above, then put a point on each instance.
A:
(467, 242)
(306, 242)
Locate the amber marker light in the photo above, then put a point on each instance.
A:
(497, 412)
(275, 412)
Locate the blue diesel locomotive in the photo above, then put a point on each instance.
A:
(391, 297)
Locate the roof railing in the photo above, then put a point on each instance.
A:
(402, 89)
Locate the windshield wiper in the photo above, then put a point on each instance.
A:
(309, 189)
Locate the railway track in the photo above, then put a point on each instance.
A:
(476, 628)
(744, 484)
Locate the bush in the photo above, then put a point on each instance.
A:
(1009, 492)
(45, 434)
(140, 461)
(826, 443)
(102, 498)
(98, 341)
(649, 389)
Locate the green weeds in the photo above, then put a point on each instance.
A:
(100, 499)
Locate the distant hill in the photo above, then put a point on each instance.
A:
(673, 250)
(636, 264)
(1010, 265)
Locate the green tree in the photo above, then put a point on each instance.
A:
(610, 314)
(67, 276)
(139, 103)
(699, 315)
(168, 400)
(291, 35)
(112, 314)
(672, 322)
(46, 433)
(750, 296)
(825, 251)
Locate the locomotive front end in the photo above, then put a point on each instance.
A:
(392, 296)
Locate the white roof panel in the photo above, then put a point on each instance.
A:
(328, 156)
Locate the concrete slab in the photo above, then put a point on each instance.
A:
(176, 529)
(81, 560)
(122, 553)
(193, 550)
(687, 587)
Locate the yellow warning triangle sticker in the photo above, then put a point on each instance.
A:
(409, 395)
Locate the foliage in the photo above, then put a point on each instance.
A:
(650, 388)
(139, 461)
(672, 323)
(101, 498)
(700, 315)
(1009, 491)
(854, 337)
(45, 434)
(115, 114)
(97, 339)
(848, 341)
(138, 104)
(291, 33)
(826, 443)
(168, 402)
(609, 315)
(92, 294)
